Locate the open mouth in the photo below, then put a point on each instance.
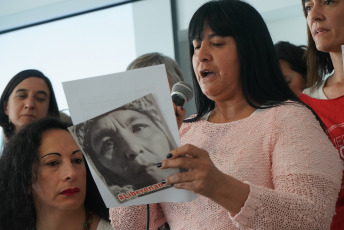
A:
(206, 73)
(319, 31)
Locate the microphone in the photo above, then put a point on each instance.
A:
(182, 92)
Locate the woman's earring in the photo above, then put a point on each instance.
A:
(9, 121)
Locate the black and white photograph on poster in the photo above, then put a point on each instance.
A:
(124, 146)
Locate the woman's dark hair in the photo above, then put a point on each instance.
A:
(53, 110)
(294, 55)
(261, 76)
(319, 63)
(18, 171)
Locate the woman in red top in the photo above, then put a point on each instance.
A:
(325, 96)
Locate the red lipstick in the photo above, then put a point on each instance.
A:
(70, 191)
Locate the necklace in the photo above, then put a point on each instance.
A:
(86, 225)
(89, 220)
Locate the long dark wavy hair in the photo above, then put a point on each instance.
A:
(261, 77)
(53, 109)
(18, 171)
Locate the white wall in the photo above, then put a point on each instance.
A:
(185, 10)
(284, 18)
(16, 13)
(153, 27)
(293, 30)
(79, 47)
(88, 45)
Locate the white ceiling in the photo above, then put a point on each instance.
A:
(17, 13)
(274, 10)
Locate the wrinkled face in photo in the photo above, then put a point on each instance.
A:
(129, 141)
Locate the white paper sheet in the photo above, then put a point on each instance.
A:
(94, 96)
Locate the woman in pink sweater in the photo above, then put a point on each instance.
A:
(256, 157)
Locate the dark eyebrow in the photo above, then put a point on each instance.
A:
(214, 35)
(38, 92)
(21, 90)
(210, 36)
(42, 92)
(76, 151)
(58, 154)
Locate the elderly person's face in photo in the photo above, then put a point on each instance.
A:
(127, 140)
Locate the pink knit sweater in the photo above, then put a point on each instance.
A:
(293, 170)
